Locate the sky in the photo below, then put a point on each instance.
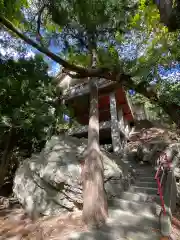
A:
(53, 66)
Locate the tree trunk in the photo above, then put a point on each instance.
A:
(165, 9)
(5, 160)
(95, 209)
(169, 13)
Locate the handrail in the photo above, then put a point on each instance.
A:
(164, 165)
(166, 190)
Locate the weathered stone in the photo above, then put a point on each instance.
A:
(50, 182)
(150, 151)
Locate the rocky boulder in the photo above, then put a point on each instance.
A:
(151, 151)
(148, 144)
(50, 182)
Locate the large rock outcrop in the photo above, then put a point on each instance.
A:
(50, 182)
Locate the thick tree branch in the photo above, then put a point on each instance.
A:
(84, 72)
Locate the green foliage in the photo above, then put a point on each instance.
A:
(12, 9)
(28, 99)
(28, 111)
(77, 58)
(170, 92)
(153, 111)
(109, 58)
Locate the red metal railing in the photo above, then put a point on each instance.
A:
(164, 164)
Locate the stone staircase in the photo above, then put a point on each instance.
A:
(134, 215)
(135, 212)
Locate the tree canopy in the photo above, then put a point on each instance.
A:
(132, 42)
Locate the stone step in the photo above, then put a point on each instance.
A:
(148, 190)
(152, 171)
(123, 225)
(131, 164)
(142, 168)
(133, 206)
(145, 169)
(126, 217)
(145, 175)
(146, 178)
(137, 197)
(128, 213)
(146, 184)
(132, 226)
(119, 233)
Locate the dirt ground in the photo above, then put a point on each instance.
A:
(16, 225)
